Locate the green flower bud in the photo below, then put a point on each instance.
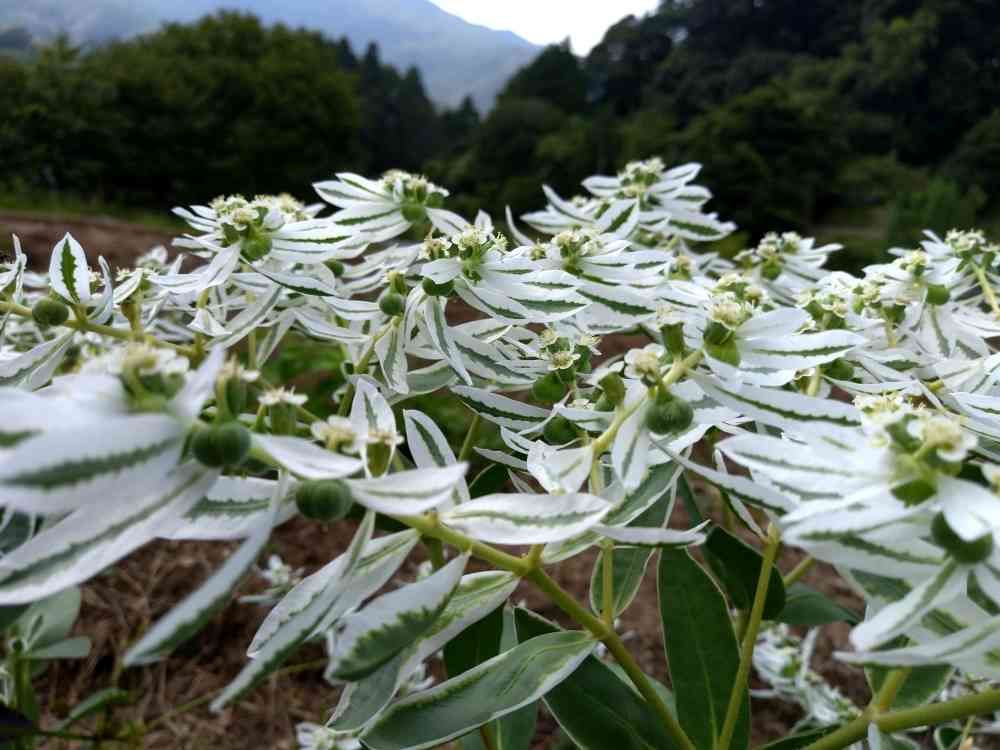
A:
(413, 212)
(614, 388)
(324, 499)
(915, 491)
(673, 338)
(49, 312)
(378, 458)
(236, 395)
(969, 552)
(437, 290)
(283, 421)
(548, 389)
(937, 294)
(336, 266)
(771, 270)
(392, 304)
(221, 445)
(397, 283)
(716, 333)
(559, 431)
(668, 413)
(726, 352)
(255, 246)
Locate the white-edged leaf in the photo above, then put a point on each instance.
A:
(188, 617)
(486, 692)
(501, 410)
(638, 536)
(408, 492)
(231, 509)
(69, 273)
(527, 519)
(379, 560)
(793, 412)
(306, 459)
(34, 368)
(291, 633)
(64, 469)
(84, 543)
(365, 640)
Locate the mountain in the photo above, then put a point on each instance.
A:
(455, 57)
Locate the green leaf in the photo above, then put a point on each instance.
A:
(737, 566)
(808, 607)
(490, 480)
(495, 688)
(797, 741)
(77, 647)
(701, 649)
(593, 706)
(515, 730)
(628, 565)
(474, 645)
(93, 703)
(922, 685)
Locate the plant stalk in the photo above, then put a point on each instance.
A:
(750, 639)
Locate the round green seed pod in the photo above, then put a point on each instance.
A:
(559, 431)
(221, 445)
(937, 294)
(236, 396)
(49, 312)
(392, 304)
(324, 499)
(336, 266)
(548, 389)
(969, 552)
(613, 387)
(839, 369)
(431, 289)
(668, 414)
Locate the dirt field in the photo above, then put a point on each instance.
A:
(125, 600)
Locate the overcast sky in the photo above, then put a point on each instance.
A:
(545, 21)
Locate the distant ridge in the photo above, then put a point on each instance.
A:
(455, 58)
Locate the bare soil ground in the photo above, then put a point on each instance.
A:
(120, 604)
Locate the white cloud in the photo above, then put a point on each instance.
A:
(547, 21)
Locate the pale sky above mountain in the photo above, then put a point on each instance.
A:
(547, 21)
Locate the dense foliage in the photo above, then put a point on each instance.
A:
(191, 109)
(854, 418)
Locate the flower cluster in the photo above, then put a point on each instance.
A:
(855, 417)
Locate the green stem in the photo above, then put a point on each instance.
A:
(987, 288)
(121, 334)
(470, 438)
(890, 689)
(675, 373)
(608, 583)
(750, 639)
(528, 567)
(616, 647)
(362, 367)
(796, 573)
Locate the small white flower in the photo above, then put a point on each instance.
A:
(317, 737)
(337, 433)
(233, 370)
(563, 360)
(644, 363)
(943, 434)
(276, 396)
